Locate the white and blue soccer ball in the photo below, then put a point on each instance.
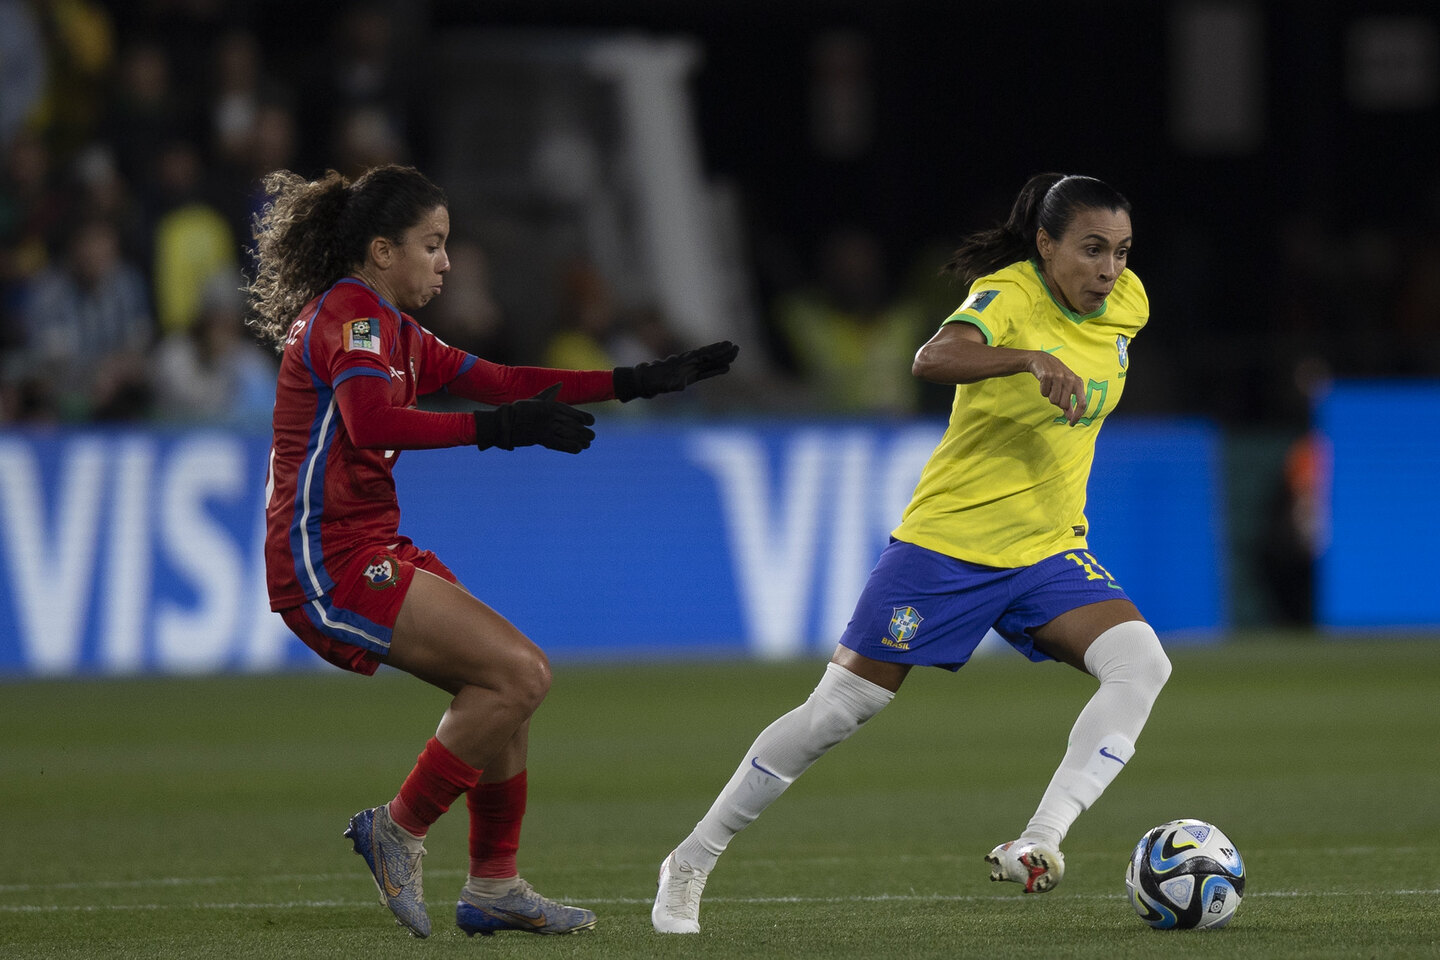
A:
(1185, 874)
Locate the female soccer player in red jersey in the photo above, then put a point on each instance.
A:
(340, 264)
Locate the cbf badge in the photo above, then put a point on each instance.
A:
(381, 572)
(1122, 349)
(904, 624)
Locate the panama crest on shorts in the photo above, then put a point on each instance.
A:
(381, 572)
(904, 624)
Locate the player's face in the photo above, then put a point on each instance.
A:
(1082, 265)
(418, 267)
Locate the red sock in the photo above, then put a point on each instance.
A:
(496, 810)
(438, 778)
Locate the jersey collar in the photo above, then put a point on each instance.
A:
(1071, 315)
(399, 314)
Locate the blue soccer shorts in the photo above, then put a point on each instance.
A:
(926, 609)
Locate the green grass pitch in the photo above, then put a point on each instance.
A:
(201, 817)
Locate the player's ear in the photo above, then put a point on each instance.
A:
(382, 251)
(1044, 243)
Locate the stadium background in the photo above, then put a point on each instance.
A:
(671, 173)
(635, 162)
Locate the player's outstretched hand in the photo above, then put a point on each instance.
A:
(541, 420)
(675, 372)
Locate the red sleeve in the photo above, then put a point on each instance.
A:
(375, 424)
(344, 342)
(439, 363)
(488, 382)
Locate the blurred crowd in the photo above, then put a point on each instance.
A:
(133, 135)
(132, 148)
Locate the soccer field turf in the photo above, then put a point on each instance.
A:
(202, 817)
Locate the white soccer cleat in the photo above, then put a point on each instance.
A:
(677, 901)
(1037, 868)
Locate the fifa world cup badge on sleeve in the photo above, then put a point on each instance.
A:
(979, 300)
(362, 335)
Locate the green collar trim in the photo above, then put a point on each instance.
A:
(1070, 315)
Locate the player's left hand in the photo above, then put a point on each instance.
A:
(675, 372)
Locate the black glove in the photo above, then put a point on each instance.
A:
(542, 419)
(674, 373)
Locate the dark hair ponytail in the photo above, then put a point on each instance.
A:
(312, 233)
(1049, 201)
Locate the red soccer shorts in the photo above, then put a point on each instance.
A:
(351, 625)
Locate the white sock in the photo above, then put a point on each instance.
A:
(1131, 666)
(838, 706)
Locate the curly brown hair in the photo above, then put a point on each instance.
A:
(313, 232)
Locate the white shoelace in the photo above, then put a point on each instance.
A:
(683, 896)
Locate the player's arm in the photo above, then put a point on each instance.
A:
(374, 423)
(488, 382)
(958, 353)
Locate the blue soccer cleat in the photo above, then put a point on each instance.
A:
(521, 908)
(393, 856)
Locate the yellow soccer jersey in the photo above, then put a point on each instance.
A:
(1006, 485)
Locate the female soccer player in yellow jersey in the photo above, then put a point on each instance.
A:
(995, 535)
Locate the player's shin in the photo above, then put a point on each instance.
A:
(784, 750)
(1132, 667)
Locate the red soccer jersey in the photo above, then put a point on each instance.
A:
(326, 495)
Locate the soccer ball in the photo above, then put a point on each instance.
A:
(1185, 874)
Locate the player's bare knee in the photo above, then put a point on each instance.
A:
(538, 677)
(526, 679)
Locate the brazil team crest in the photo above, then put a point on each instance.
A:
(904, 624)
(1122, 350)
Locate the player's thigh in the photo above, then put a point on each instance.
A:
(882, 673)
(921, 608)
(448, 637)
(1069, 635)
